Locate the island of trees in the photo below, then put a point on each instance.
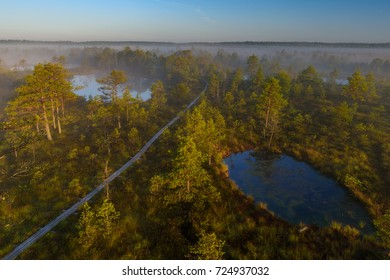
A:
(178, 202)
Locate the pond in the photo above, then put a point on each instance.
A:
(91, 88)
(296, 192)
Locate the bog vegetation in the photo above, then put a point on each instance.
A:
(177, 202)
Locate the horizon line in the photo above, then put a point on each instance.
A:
(190, 42)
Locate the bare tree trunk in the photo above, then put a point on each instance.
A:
(106, 171)
(47, 126)
(119, 122)
(37, 126)
(188, 186)
(106, 176)
(62, 106)
(58, 117)
(53, 115)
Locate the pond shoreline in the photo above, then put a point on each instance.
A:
(310, 197)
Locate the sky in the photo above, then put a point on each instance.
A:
(196, 20)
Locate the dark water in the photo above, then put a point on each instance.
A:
(296, 192)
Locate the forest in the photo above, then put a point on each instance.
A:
(177, 201)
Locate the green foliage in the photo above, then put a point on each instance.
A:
(207, 127)
(311, 82)
(252, 65)
(44, 92)
(235, 84)
(134, 139)
(188, 177)
(107, 217)
(214, 86)
(209, 247)
(181, 67)
(270, 106)
(87, 229)
(357, 87)
(284, 82)
(257, 81)
(372, 94)
(180, 95)
(158, 101)
(111, 89)
(94, 228)
(188, 164)
(75, 188)
(344, 114)
(382, 223)
(353, 183)
(111, 85)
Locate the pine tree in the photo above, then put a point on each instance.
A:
(270, 106)
(105, 132)
(41, 95)
(357, 87)
(87, 229)
(111, 89)
(188, 181)
(208, 247)
(253, 65)
(107, 217)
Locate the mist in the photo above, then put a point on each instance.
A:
(292, 57)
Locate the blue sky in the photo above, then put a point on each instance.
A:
(196, 20)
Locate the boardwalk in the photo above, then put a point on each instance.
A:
(33, 238)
